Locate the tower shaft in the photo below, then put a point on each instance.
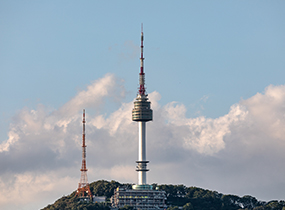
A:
(142, 154)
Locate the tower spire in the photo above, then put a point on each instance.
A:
(83, 190)
(141, 75)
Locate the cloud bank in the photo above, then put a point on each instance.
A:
(238, 153)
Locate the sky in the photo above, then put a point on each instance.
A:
(214, 75)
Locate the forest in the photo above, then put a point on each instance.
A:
(178, 197)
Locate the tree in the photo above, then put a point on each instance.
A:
(173, 208)
(259, 208)
(188, 206)
(274, 205)
(126, 207)
(249, 201)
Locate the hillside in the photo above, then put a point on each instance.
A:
(190, 198)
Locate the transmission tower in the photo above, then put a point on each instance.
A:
(83, 191)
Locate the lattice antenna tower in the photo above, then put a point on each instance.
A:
(83, 190)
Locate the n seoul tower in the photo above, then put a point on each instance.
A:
(142, 113)
(142, 196)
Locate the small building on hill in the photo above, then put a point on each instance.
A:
(99, 199)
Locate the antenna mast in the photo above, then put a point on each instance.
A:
(83, 190)
(141, 75)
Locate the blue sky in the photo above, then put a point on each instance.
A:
(204, 55)
(223, 50)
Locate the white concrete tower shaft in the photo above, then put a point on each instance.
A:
(142, 154)
(142, 113)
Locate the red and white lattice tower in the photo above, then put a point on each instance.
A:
(83, 190)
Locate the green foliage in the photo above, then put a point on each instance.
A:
(201, 199)
(187, 198)
(104, 188)
(126, 207)
(68, 205)
(173, 208)
(276, 205)
(99, 188)
(259, 208)
(188, 206)
(249, 201)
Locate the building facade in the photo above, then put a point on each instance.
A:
(139, 199)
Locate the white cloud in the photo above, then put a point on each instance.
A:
(29, 190)
(240, 152)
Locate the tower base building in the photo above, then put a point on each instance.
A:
(147, 199)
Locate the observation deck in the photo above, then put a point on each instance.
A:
(142, 110)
